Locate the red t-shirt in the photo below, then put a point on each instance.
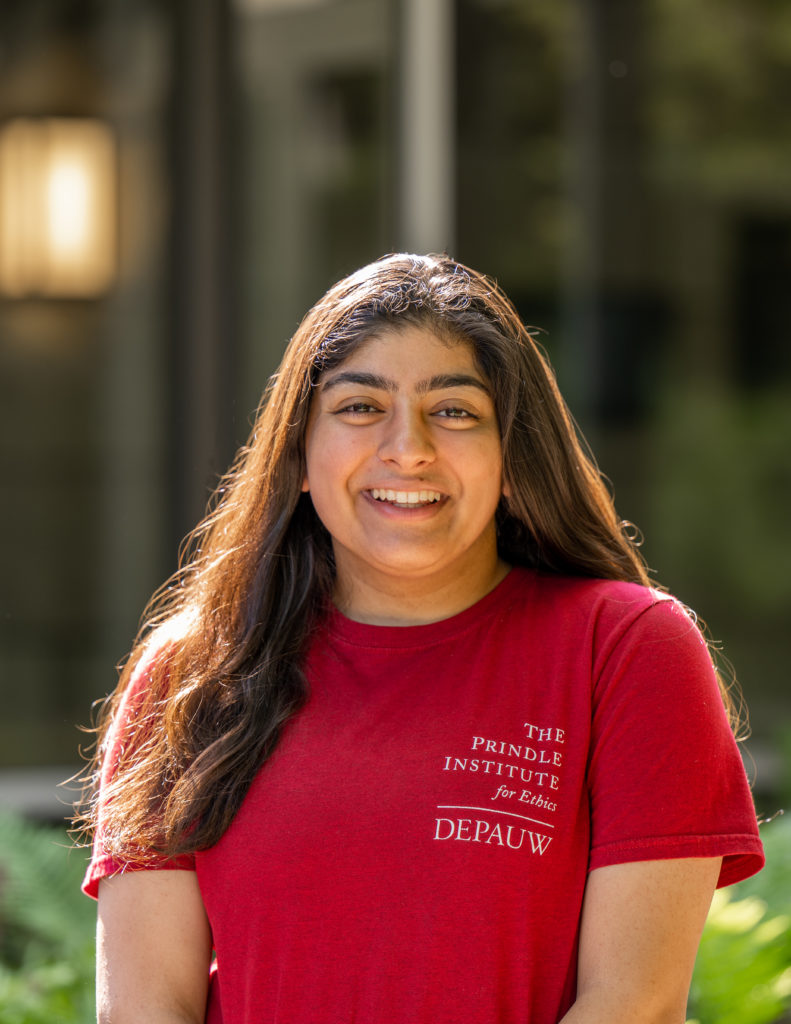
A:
(416, 849)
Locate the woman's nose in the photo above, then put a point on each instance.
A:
(406, 441)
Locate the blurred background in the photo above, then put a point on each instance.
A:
(181, 179)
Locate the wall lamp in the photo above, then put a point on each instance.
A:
(58, 209)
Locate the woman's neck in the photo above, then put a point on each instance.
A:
(390, 601)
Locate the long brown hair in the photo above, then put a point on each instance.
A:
(232, 626)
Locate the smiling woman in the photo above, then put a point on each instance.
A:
(410, 739)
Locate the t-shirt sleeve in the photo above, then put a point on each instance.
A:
(103, 864)
(665, 776)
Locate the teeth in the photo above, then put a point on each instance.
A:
(406, 497)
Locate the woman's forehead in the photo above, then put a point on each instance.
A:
(409, 350)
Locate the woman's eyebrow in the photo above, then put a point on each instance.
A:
(450, 380)
(436, 383)
(366, 380)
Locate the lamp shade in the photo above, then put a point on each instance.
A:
(58, 219)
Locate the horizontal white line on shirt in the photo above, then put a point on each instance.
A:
(492, 810)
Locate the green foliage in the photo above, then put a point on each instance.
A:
(715, 69)
(743, 971)
(721, 493)
(742, 974)
(47, 947)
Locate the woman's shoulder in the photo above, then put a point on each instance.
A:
(156, 649)
(604, 605)
(587, 592)
(145, 677)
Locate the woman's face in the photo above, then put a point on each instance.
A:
(404, 462)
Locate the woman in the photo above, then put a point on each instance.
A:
(411, 738)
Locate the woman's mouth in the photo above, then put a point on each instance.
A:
(406, 499)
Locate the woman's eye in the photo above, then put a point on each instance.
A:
(357, 409)
(455, 413)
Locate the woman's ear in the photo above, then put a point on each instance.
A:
(507, 492)
(304, 460)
